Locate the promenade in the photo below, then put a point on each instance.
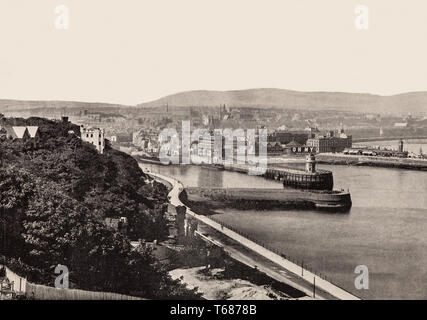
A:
(294, 275)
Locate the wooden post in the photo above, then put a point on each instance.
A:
(314, 288)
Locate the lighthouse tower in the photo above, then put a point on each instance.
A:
(400, 145)
(310, 163)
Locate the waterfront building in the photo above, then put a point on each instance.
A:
(208, 151)
(331, 142)
(294, 148)
(95, 136)
(274, 148)
(285, 137)
(378, 152)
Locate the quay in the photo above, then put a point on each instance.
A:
(382, 138)
(272, 264)
(361, 160)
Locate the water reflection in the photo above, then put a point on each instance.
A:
(210, 178)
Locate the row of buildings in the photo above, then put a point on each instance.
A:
(310, 141)
(146, 141)
(332, 141)
(278, 143)
(379, 152)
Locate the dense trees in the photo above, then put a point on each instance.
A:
(53, 203)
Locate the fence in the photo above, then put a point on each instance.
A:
(41, 292)
(19, 283)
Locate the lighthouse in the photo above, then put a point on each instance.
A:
(400, 145)
(310, 163)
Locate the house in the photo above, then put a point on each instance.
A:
(274, 147)
(95, 136)
(117, 224)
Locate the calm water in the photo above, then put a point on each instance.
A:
(386, 229)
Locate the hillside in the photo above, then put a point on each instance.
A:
(414, 102)
(56, 197)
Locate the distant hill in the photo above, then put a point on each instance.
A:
(414, 102)
(20, 105)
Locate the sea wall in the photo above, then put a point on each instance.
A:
(401, 163)
(252, 198)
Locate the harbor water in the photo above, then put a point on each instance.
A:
(385, 229)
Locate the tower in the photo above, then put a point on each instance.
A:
(95, 136)
(310, 163)
(400, 145)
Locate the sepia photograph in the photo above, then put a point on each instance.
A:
(213, 155)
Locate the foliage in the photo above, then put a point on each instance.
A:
(54, 199)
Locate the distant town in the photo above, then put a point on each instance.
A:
(290, 132)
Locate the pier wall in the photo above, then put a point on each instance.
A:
(246, 194)
(273, 197)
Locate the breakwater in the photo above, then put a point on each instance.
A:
(255, 198)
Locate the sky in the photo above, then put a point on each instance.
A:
(133, 51)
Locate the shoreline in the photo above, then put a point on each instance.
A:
(344, 160)
(304, 283)
(369, 161)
